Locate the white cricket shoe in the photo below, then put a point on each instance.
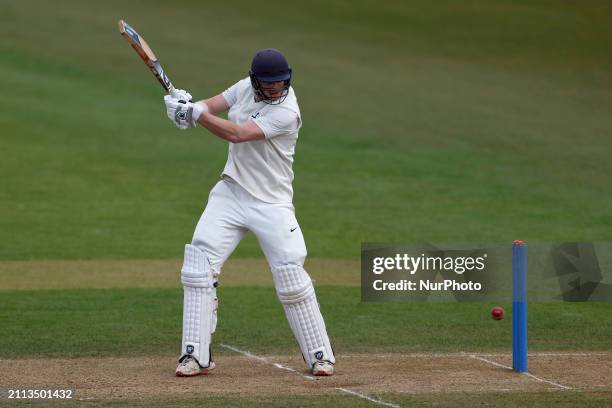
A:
(322, 368)
(189, 367)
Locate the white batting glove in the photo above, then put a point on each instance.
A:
(184, 114)
(181, 95)
(172, 105)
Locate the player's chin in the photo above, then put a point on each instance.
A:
(273, 95)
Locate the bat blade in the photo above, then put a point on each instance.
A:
(146, 54)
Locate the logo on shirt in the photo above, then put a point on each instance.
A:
(255, 115)
(293, 229)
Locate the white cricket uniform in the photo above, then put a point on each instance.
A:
(255, 193)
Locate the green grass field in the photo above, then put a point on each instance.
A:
(143, 322)
(421, 123)
(445, 121)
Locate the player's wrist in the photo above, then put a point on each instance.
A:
(198, 109)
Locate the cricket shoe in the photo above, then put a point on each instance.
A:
(190, 367)
(322, 368)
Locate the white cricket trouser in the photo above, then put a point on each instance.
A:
(232, 211)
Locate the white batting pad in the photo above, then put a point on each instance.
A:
(296, 293)
(199, 305)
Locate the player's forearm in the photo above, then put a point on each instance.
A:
(216, 104)
(221, 127)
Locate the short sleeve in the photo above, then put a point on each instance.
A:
(278, 122)
(231, 94)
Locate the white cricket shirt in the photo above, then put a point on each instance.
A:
(263, 167)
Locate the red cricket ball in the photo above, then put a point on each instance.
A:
(497, 313)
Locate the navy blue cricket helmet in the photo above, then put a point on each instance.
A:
(270, 65)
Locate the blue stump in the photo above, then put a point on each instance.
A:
(519, 306)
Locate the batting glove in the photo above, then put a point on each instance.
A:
(181, 95)
(184, 114)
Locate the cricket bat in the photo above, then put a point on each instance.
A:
(147, 55)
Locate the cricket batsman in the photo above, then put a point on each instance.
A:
(255, 194)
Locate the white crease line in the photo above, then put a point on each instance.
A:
(246, 353)
(374, 400)
(564, 387)
(282, 367)
(251, 355)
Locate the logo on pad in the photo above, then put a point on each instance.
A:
(190, 349)
(319, 355)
